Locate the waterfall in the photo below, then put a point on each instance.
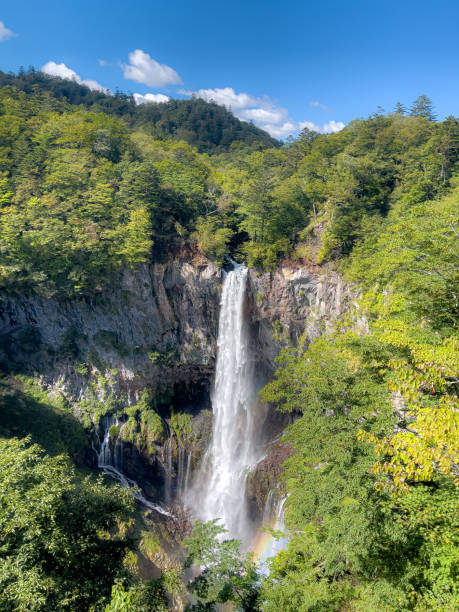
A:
(187, 475)
(107, 456)
(267, 545)
(279, 523)
(109, 459)
(176, 488)
(221, 483)
(269, 509)
(180, 469)
(183, 471)
(168, 474)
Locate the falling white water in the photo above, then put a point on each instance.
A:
(274, 516)
(270, 510)
(279, 525)
(183, 471)
(110, 456)
(168, 474)
(187, 475)
(222, 480)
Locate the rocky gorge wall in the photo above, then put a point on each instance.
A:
(157, 325)
(157, 330)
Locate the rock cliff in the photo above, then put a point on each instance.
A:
(157, 330)
(157, 327)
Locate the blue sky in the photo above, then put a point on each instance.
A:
(281, 64)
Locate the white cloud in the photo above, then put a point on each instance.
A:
(102, 62)
(263, 115)
(64, 72)
(292, 127)
(326, 128)
(316, 104)
(5, 33)
(288, 128)
(333, 126)
(226, 96)
(149, 97)
(310, 125)
(263, 112)
(60, 70)
(144, 69)
(94, 85)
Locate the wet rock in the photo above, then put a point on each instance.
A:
(265, 477)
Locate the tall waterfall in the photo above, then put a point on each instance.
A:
(222, 480)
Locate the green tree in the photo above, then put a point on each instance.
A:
(422, 107)
(414, 258)
(225, 575)
(59, 544)
(142, 597)
(352, 544)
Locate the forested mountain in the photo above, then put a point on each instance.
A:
(88, 195)
(209, 127)
(89, 191)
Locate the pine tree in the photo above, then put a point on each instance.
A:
(422, 107)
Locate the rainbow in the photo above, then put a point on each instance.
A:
(266, 545)
(263, 546)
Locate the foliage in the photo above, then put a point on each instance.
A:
(149, 595)
(331, 491)
(92, 409)
(326, 191)
(212, 238)
(422, 107)
(114, 431)
(86, 195)
(427, 441)
(182, 428)
(83, 197)
(417, 314)
(59, 548)
(152, 426)
(28, 409)
(149, 543)
(413, 255)
(207, 126)
(144, 426)
(167, 358)
(353, 545)
(225, 575)
(373, 525)
(65, 230)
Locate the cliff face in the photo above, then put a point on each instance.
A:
(158, 326)
(286, 305)
(158, 330)
(293, 301)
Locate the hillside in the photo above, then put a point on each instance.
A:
(207, 126)
(340, 325)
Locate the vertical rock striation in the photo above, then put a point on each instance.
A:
(158, 330)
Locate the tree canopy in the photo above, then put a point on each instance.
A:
(59, 547)
(209, 127)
